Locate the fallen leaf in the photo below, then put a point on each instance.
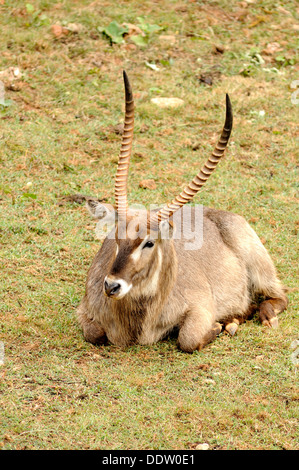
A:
(152, 66)
(272, 48)
(132, 29)
(147, 184)
(204, 367)
(59, 30)
(141, 41)
(218, 49)
(258, 20)
(196, 145)
(115, 32)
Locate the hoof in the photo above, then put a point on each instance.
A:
(217, 328)
(231, 328)
(210, 336)
(274, 322)
(271, 323)
(269, 309)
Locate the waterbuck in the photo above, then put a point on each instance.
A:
(144, 283)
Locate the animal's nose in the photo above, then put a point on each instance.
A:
(111, 287)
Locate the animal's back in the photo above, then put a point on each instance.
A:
(232, 265)
(214, 272)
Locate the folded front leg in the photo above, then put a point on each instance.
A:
(198, 328)
(92, 330)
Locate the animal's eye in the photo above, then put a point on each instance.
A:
(149, 244)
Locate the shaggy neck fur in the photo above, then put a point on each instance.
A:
(146, 299)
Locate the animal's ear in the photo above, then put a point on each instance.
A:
(166, 229)
(100, 211)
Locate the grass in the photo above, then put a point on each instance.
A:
(57, 139)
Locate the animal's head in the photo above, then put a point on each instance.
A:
(138, 254)
(142, 237)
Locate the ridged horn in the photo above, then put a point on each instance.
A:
(121, 178)
(200, 179)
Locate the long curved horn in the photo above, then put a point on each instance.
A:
(199, 180)
(121, 178)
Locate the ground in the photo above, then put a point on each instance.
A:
(61, 103)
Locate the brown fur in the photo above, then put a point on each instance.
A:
(193, 291)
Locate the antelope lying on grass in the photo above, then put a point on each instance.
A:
(143, 284)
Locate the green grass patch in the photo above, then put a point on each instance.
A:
(58, 138)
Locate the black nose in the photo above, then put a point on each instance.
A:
(111, 287)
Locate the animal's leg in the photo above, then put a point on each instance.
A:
(197, 330)
(262, 276)
(271, 307)
(92, 330)
(211, 335)
(94, 333)
(265, 283)
(232, 325)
